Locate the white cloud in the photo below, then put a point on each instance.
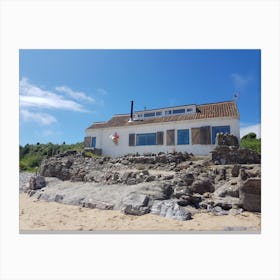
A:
(35, 97)
(41, 118)
(81, 96)
(240, 81)
(256, 128)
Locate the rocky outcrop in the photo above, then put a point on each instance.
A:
(233, 155)
(250, 195)
(223, 139)
(37, 182)
(164, 184)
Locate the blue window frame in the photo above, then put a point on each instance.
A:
(179, 111)
(148, 115)
(183, 137)
(219, 129)
(93, 142)
(145, 139)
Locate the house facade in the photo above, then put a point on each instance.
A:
(187, 128)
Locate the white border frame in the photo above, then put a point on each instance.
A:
(140, 24)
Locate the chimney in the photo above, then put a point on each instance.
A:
(131, 112)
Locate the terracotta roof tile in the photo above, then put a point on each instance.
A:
(204, 111)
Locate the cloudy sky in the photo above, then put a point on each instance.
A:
(62, 92)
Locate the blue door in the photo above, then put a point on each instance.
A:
(93, 142)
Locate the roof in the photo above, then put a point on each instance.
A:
(204, 111)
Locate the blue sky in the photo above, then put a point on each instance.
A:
(63, 91)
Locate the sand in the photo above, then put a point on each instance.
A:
(38, 215)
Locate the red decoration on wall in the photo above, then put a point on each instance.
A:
(115, 138)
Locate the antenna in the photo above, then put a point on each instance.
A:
(235, 96)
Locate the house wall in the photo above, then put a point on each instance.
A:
(109, 148)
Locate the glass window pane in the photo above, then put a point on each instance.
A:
(147, 115)
(183, 137)
(179, 111)
(146, 139)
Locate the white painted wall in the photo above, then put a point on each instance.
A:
(109, 148)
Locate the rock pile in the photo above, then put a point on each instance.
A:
(171, 185)
(227, 151)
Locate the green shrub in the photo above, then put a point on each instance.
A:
(32, 155)
(250, 141)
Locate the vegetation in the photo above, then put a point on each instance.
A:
(250, 141)
(31, 155)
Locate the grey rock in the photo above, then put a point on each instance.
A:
(250, 195)
(202, 186)
(135, 204)
(227, 190)
(58, 198)
(170, 209)
(37, 182)
(188, 178)
(157, 190)
(235, 170)
(150, 178)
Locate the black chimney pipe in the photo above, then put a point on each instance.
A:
(131, 111)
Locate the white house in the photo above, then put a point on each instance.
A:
(190, 128)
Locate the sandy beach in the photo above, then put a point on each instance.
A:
(38, 215)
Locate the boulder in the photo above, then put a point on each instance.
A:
(91, 203)
(235, 170)
(37, 182)
(250, 195)
(227, 190)
(170, 209)
(188, 178)
(135, 204)
(202, 186)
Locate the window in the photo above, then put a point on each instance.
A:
(93, 142)
(189, 110)
(158, 113)
(131, 139)
(160, 138)
(168, 112)
(145, 139)
(148, 115)
(170, 137)
(179, 111)
(140, 115)
(201, 135)
(219, 129)
(183, 137)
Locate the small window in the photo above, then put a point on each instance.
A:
(158, 113)
(146, 139)
(168, 112)
(160, 138)
(179, 111)
(219, 129)
(140, 115)
(93, 142)
(170, 137)
(201, 135)
(189, 110)
(183, 137)
(131, 139)
(148, 115)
